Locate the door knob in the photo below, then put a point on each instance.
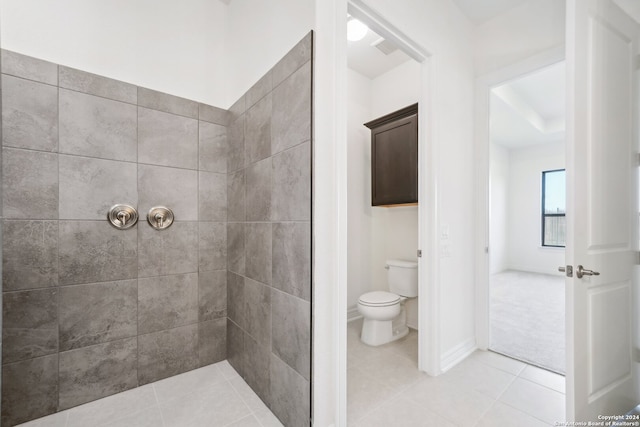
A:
(568, 270)
(581, 271)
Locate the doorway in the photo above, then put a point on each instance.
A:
(527, 226)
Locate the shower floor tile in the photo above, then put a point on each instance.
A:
(213, 396)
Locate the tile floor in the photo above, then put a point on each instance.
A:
(386, 389)
(211, 396)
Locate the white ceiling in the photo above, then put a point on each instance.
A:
(368, 60)
(529, 110)
(480, 11)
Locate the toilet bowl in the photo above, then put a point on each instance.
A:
(383, 312)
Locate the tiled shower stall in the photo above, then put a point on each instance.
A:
(90, 310)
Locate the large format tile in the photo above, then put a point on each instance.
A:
(94, 372)
(259, 90)
(29, 324)
(149, 417)
(95, 251)
(291, 252)
(30, 255)
(402, 412)
(236, 258)
(29, 184)
(96, 313)
(27, 67)
(291, 191)
(504, 415)
(213, 114)
(166, 139)
(291, 331)
(290, 394)
(29, 114)
(29, 389)
(94, 84)
(97, 127)
(167, 103)
(543, 377)
(499, 361)
(212, 341)
(90, 187)
(291, 120)
(167, 353)
(212, 147)
(235, 347)
(173, 250)
(235, 140)
(538, 401)
(256, 367)
(212, 196)
(257, 245)
(197, 381)
(294, 59)
(257, 311)
(167, 302)
(212, 295)
(235, 299)
(236, 185)
(473, 375)
(176, 189)
(59, 419)
(258, 191)
(257, 131)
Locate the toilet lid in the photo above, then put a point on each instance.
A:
(379, 299)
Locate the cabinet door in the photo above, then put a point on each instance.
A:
(394, 162)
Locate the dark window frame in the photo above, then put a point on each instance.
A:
(544, 215)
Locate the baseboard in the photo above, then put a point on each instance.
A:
(353, 314)
(457, 354)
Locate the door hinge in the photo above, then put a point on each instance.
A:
(419, 253)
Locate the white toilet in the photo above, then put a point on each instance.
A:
(384, 316)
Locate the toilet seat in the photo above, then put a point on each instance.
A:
(379, 299)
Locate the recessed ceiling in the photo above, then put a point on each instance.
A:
(479, 12)
(529, 110)
(370, 61)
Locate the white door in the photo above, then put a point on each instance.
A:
(602, 163)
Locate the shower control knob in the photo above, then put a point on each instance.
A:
(122, 216)
(160, 217)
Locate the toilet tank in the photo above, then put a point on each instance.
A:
(402, 277)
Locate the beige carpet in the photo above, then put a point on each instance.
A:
(527, 318)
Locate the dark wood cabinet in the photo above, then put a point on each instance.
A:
(394, 158)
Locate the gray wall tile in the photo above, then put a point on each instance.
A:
(212, 295)
(237, 109)
(291, 253)
(291, 120)
(167, 139)
(291, 333)
(257, 243)
(257, 131)
(98, 371)
(256, 365)
(170, 251)
(212, 246)
(235, 141)
(212, 341)
(212, 147)
(176, 189)
(235, 299)
(212, 196)
(29, 184)
(290, 395)
(167, 302)
(29, 114)
(29, 324)
(97, 313)
(30, 68)
(236, 196)
(291, 191)
(259, 90)
(166, 353)
(236, 258)
(95, 251)
(257, 311)
(90, 187)
(97, 127)
(212, 114)
(94, 84)
(30, 255)
(167, 103)
(258, 191)
(29, 389)
(235, 347)
(293, 60)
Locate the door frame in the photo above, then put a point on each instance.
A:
(484, 84)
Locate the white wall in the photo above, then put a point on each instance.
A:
(499, 209)
(525, 170)
(519, 33)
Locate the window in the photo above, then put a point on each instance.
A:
(554, 207)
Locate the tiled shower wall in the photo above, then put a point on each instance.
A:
(90, 310)
(269, 236)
